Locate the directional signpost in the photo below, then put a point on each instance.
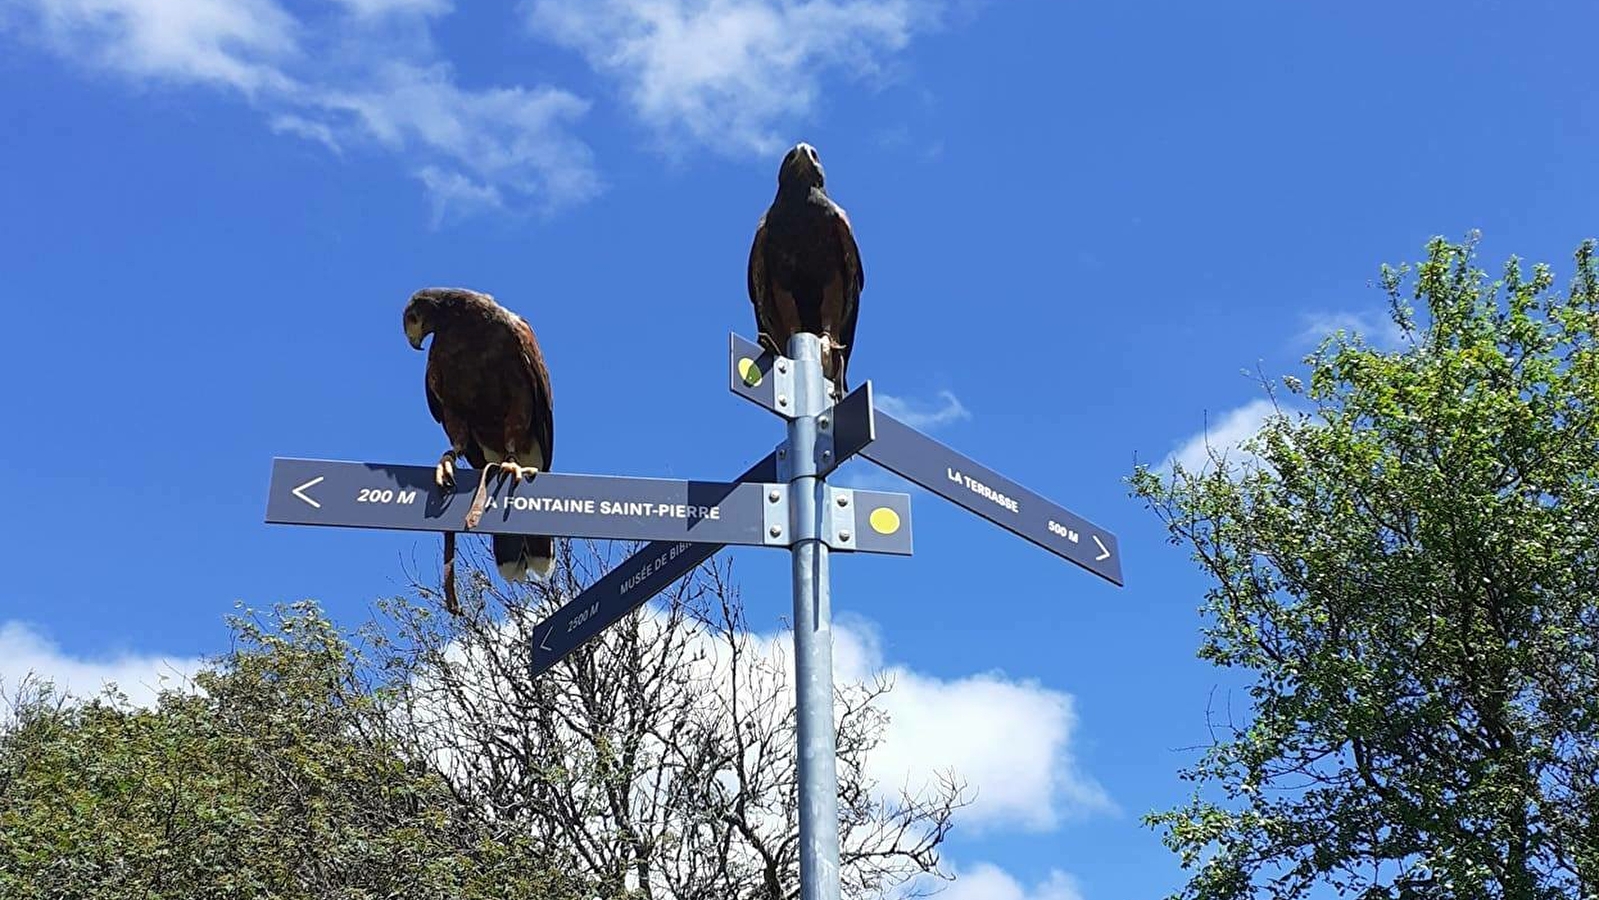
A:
(363, 495)
(918, 458)
(781, 501)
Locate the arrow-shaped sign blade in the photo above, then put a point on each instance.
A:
(760, 376)
(915, 456)
(627, 586)
(854, 425)
(605, 507)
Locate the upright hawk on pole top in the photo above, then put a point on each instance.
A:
(805, 272)
(488, 386)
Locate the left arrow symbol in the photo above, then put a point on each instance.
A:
(306, 497)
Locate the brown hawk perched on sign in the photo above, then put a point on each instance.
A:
(805, 271)
(488, 386)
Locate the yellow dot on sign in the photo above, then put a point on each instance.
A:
(749, 371)
(884, 520)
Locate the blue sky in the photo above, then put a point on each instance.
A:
(1079, 222)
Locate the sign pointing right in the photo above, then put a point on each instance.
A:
(916, 457)
(766, 379)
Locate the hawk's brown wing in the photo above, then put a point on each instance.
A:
(538, 376)
(854, 279)
(434, 404)
(760, 287)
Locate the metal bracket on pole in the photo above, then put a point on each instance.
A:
(762, 377)
(824, 443)
(785, 462)
(838, 519)
(783, 386)
(777, 526)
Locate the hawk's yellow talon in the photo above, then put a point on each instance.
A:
(525, 473)
(444, 472)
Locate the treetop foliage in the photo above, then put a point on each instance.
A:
(1409, 568)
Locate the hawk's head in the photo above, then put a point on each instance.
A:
(801, 168)
(429, 306)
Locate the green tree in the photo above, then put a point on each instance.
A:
(271, 780)
(1408, 566)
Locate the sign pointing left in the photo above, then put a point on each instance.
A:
(375, 495)
(300, 491)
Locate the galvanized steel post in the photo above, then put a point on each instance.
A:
(813, 627)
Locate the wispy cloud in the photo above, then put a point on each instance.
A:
(865, 476)
(25, 652)
(922, 414)
(732, 75)
(496, 140)
(1222, 439)
(989, 882)
(1377, 329)
(237, 43)
(299, 126)
(454, 192)
(364, 74)
(379, 8)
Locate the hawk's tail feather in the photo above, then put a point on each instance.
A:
(517, 556)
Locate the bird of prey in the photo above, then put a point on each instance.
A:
(805, 271)
(488, 386)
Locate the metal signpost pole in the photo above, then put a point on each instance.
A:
(813, 627)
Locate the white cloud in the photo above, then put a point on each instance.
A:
(452, 190)
(988, 882)
(25, 652)
(921, 414)
(299, 126)
(730, 74)
(1009, 740)
(378, 8)
(370, 78)
(863, 476)
(1377, 329)
(237, 43)
(506, 139)
(1223, 439)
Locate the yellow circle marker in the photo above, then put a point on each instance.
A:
(749, 371)
(884, 520)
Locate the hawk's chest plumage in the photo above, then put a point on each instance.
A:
(480, 374)
(469, 375)
(802, 251)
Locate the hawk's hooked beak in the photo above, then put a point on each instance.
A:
(415, 334)
(801, 164)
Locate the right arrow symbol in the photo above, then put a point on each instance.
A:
(306, 497)
(1104, 553)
